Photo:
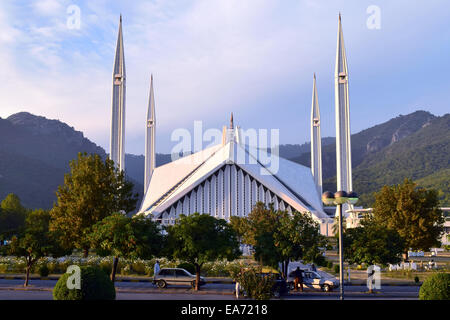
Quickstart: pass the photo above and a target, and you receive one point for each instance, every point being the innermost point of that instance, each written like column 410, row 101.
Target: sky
column 255, row 58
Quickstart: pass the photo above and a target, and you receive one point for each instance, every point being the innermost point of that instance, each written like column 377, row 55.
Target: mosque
column 228, row 179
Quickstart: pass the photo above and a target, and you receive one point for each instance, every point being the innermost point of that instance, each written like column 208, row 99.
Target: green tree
column 123, row 237
column 278, row 236
column 372, row 243
column 413, row 212
column 200, row 238
column 261, row 224
column 239, row 225
column 298, row 237
column 93, row 190
column 35, row 241
column 12, row 216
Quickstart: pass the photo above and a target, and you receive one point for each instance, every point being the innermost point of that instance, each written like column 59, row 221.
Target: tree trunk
column 114, row 269
column 197, row 276
column 27, row 273
column 85, row 252
column 286, row 264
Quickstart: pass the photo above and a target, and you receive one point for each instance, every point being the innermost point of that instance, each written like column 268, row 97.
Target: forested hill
column 35, row 154
column 418, row 149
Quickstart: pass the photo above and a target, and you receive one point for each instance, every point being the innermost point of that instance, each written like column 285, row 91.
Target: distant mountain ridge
column 369, row 141
column 35, row 154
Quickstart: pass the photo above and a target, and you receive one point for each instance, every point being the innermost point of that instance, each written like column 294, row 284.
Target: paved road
column 120, row 285
column 41, row 289
column 47, row 295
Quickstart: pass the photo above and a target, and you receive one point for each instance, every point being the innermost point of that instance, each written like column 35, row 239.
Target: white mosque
column 228, row 179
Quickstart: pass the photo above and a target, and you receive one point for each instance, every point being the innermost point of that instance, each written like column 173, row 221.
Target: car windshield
column 314, row 275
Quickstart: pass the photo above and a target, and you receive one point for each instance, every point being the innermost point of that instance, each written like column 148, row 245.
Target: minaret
column 117, row 144
column 150, row 138
column 316, row 143
column 343, row 146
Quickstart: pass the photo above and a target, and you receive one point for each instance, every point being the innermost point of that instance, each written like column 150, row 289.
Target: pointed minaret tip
column 120, row 20
column 231, row 121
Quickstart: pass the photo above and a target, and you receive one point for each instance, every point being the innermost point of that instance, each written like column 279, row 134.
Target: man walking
column 156, row 268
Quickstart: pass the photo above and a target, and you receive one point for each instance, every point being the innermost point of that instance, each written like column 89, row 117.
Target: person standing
column 298, row 279
column 156, row 268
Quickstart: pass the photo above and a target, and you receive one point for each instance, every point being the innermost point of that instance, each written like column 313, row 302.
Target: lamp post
column 339, row 198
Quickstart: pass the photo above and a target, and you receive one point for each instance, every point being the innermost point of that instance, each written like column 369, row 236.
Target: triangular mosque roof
column 292, row 182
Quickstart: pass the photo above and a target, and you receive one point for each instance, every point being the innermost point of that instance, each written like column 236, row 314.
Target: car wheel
column 326, row 288
column 161, row 284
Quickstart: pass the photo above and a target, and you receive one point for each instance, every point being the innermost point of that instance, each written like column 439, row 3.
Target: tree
column 93, row 190
column 278, row 236
column 372, row 243
column 260, row 226
column 200, row 238
column 239, row 225
column 298, row 237
column 413, row 212
column 35, row 241
column 12, row 216
column 124, row 237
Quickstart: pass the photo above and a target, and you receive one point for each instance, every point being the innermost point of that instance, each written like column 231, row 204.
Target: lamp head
column 341, row 197
column 328, row 198
column 352, row 197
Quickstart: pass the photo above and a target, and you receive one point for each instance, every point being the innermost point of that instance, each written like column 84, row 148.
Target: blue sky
column 210, row 57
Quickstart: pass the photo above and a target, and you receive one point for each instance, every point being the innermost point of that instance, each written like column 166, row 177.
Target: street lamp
column 339, row 198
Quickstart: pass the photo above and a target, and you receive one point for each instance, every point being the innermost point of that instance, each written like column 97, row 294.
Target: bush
column 95, row 285
column 255, row 285
column 320, row 260
column 436, row 287
column 336, row 268
column 106, row 267
column 3, row 268
column 187, row 266
column 330, row 265
column 43, row 270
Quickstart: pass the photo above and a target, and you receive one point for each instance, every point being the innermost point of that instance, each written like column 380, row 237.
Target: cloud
column 255, row 58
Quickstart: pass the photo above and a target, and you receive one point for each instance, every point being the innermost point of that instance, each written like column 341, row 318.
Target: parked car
column 281, row 287
column 175, row 276
column 314, row 280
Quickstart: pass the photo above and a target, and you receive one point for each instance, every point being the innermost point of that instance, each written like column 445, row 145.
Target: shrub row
column 48, row 265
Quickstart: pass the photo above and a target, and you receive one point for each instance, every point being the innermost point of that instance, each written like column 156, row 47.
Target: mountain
column 290, row 151
column 368, row 142
column 35, row 155
column 423, row 156
column 415, row 146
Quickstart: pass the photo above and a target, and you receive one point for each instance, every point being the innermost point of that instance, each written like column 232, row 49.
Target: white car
column 314, row 280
